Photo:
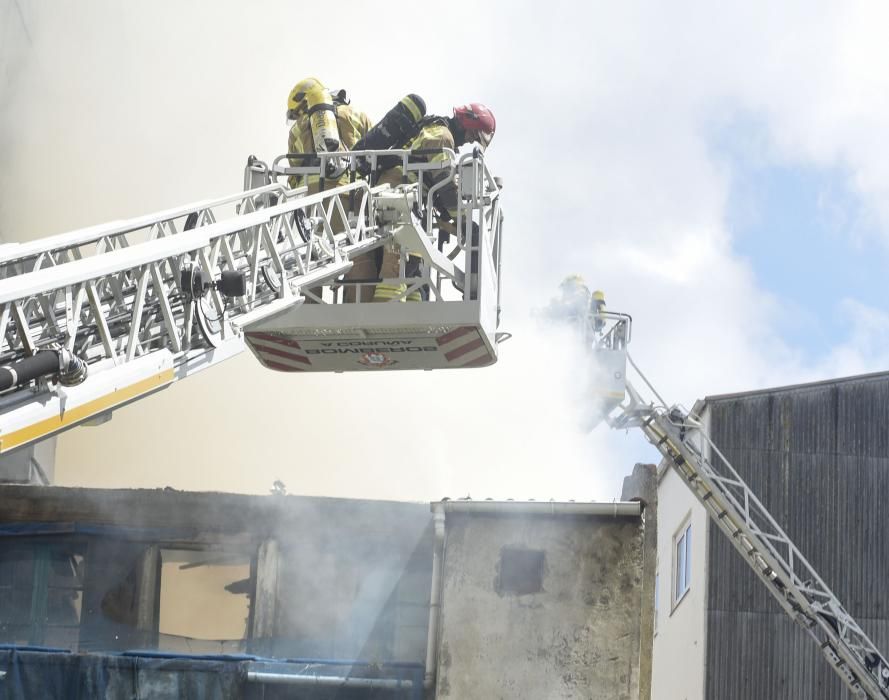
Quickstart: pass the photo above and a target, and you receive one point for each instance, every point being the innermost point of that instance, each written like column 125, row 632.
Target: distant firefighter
column 574, row 301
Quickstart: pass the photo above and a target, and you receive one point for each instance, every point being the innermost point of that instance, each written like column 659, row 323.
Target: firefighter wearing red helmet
column 471, row 123
column 477, row 122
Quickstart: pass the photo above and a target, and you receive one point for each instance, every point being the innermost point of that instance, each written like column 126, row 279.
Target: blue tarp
column 33, row 673
column 65, row 676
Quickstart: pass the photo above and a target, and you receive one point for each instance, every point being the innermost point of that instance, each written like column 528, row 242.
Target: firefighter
column 472, row 123
column 575, row 301
column 324, row 120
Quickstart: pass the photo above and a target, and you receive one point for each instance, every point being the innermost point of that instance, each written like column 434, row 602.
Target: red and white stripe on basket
column 464, row 347
column 276, row 352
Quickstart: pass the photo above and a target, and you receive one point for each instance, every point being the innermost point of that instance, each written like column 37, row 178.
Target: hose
column 69, row 368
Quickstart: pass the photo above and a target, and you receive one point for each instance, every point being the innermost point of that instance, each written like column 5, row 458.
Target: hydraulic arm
column 683, row 442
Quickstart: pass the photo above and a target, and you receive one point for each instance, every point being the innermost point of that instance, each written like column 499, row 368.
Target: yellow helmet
column 296, row 100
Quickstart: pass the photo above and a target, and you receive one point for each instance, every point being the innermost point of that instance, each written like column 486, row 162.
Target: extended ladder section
column 682, row 440
column 97, row 318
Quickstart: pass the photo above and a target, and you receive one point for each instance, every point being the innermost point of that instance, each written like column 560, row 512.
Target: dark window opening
column 41, row 593
column 521, row 571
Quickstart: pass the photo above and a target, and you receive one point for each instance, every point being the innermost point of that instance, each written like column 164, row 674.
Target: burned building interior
column 161, row 593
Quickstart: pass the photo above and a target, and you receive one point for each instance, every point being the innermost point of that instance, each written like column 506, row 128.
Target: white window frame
column 681, row 578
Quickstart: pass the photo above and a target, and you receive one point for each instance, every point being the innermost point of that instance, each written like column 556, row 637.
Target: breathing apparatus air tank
column 309, row 97
column 322, row 119
column 394, row 130
column 597, row 307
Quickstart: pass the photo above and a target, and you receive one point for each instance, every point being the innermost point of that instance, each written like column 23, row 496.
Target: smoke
column 347, row 579
column 114, row 110
column 159, row 104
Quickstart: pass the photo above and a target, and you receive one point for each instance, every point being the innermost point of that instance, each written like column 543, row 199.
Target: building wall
column 356, row 586
column 346, row 579
column 641, row 486
column 574, row 632
column 818, row 458
column 533, row 606
column 680, row 628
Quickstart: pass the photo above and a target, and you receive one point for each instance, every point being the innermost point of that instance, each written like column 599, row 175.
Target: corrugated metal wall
column 818, row 457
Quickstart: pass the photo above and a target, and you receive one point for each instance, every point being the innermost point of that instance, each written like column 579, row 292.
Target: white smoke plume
column 113, row 110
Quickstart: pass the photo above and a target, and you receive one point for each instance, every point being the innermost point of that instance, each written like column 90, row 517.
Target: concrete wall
column 576, row 636
column 680, row 628
column 356, row 586
column 641, row 486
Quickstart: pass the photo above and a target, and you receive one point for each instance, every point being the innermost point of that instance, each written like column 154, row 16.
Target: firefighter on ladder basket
column 323, row 120
column 583, row 309
column 407, row 126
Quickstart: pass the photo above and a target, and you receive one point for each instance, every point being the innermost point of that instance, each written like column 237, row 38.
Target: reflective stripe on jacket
column 435, row 135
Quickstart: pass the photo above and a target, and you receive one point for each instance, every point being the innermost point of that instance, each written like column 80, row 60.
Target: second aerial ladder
column 685, row 445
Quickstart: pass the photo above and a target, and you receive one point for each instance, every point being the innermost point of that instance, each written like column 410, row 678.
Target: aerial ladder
column 685, row 445
column 100, row 317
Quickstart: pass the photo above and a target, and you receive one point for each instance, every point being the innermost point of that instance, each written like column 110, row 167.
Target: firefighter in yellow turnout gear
column 434, row 134
column 326, row 122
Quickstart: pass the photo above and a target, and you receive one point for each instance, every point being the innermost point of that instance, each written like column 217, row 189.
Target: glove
column 362, row 165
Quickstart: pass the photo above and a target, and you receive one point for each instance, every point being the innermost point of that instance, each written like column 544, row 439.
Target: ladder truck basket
column 607, row 333
column 445, row 310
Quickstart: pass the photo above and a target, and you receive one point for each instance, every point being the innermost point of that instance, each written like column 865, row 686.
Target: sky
column 716, row 169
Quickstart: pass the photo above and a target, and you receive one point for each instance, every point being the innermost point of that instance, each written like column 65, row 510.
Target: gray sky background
column 607, row 114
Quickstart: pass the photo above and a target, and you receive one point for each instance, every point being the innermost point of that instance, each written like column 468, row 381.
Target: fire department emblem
column 376, row 360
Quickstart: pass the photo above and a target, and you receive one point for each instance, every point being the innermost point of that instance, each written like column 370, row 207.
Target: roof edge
column 793, row 387
column 615, row 509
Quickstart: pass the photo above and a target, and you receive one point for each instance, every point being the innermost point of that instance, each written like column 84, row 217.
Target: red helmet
column 477, row 121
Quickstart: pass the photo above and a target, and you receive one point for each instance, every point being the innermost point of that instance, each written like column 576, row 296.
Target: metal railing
column 19, row 258
column 475, row 234
column 120, row 291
